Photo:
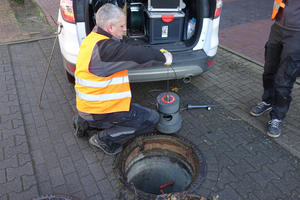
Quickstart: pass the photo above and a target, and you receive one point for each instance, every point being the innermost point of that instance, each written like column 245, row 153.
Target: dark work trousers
column 122, row 126
column 277, row 83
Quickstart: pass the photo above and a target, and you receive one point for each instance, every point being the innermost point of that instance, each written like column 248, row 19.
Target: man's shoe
column 274, row 129
column 260, row 108
column 81, row 126
column 109, row 148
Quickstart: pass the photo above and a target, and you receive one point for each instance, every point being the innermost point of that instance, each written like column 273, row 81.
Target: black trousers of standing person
column 281, row 56
column 121, row 126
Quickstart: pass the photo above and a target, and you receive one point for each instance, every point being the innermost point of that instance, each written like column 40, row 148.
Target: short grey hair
column 108, row 14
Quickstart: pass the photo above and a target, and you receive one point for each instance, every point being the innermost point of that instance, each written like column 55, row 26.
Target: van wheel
column 69, row 77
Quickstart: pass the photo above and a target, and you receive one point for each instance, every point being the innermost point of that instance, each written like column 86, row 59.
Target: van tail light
column 66, row 8
column 71, row 68
column 218, row 8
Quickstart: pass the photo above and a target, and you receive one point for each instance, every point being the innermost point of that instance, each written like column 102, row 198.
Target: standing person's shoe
column 109, row 148
column 274, row 129
column 81, row 127
column 260, row 108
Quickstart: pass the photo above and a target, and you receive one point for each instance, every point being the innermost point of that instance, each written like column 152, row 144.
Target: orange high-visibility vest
column 276, row 6
column 99, row 95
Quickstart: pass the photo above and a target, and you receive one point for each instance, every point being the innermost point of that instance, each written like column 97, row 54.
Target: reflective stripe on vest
column 276, row 6
column 103, row 97
column 99, row 95
column 114, row 81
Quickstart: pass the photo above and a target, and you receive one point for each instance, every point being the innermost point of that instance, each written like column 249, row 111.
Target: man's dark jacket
column 289, row 17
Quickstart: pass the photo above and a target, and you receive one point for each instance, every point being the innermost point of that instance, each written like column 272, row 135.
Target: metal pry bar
column 189, row 106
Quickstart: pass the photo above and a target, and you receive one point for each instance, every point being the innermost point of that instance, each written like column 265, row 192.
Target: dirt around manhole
column 32, row 20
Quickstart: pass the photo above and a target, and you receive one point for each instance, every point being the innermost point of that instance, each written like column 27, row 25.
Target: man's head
column 112, row 19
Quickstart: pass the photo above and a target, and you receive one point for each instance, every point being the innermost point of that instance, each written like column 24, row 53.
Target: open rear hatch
column 157, row 23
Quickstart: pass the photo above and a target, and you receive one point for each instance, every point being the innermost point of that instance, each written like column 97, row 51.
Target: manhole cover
column 158, row 164
column 232, row 65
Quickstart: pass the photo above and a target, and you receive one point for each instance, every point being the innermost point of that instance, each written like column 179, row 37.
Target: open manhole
column 156, row 164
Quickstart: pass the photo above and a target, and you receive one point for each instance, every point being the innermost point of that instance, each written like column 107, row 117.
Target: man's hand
column 168, row 56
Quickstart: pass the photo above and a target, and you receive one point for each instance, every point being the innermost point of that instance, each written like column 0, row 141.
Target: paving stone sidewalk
column 17, row 176
column 41, row 155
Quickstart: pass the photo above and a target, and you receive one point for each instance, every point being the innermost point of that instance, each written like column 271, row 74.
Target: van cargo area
column 162, row 24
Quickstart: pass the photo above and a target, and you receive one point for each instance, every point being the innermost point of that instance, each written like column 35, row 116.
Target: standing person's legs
column 284, row 83
column 273, row 50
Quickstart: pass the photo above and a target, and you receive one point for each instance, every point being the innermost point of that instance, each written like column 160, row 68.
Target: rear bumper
column 185, row 64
